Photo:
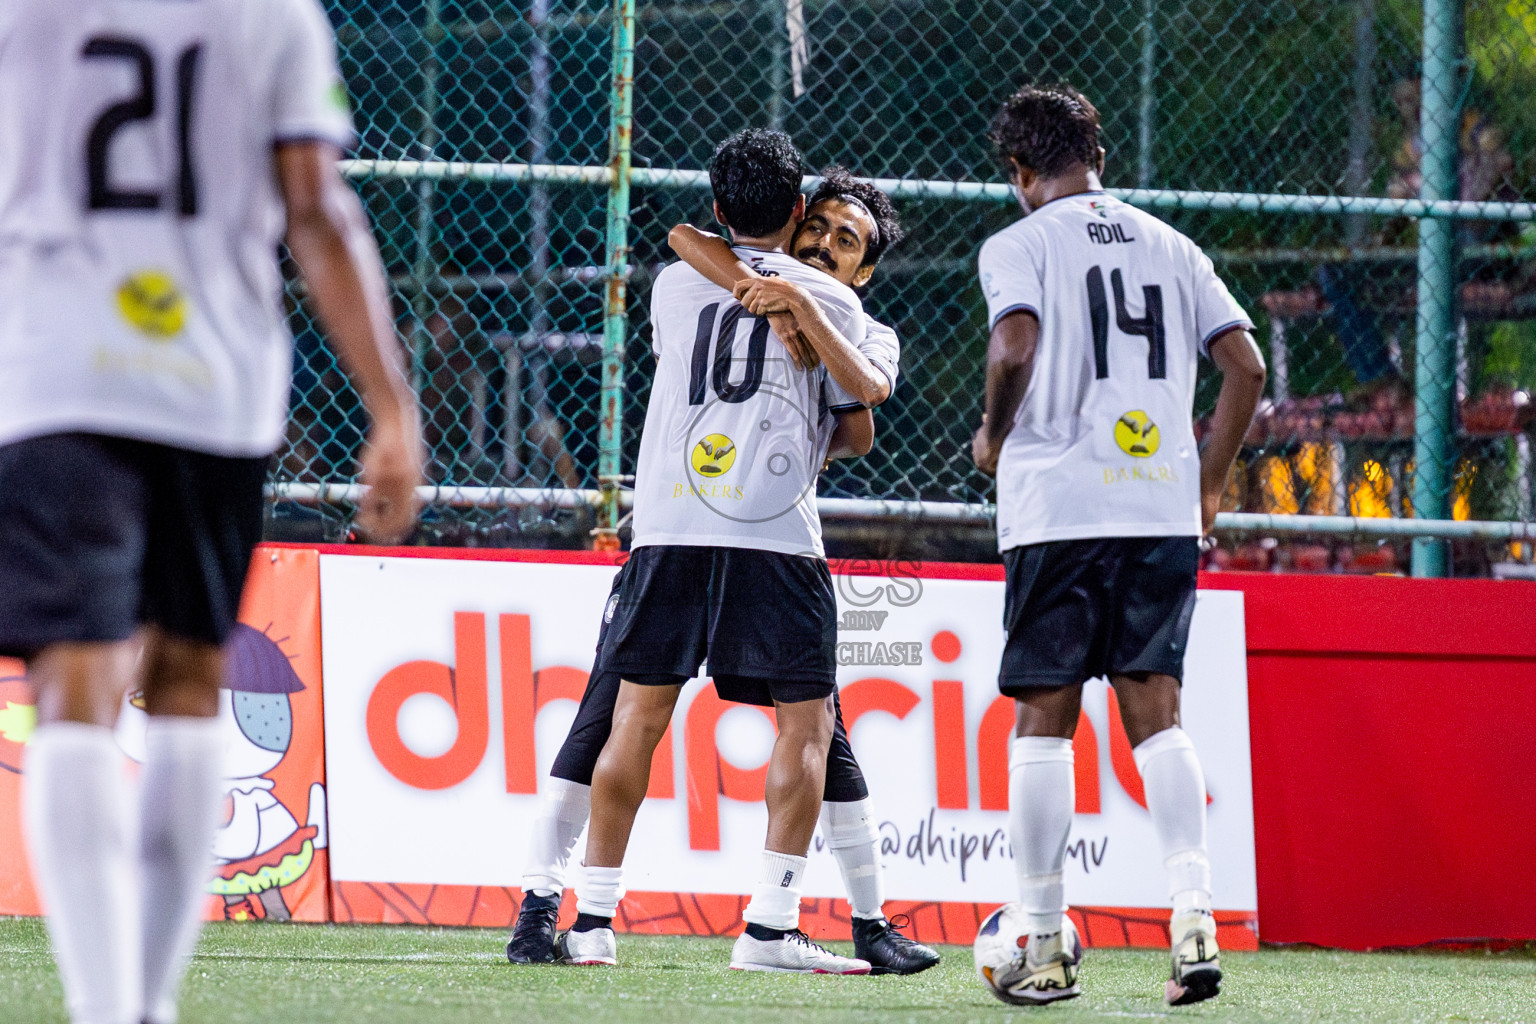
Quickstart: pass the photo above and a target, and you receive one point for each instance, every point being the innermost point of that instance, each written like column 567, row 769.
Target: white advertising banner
column 449, row 686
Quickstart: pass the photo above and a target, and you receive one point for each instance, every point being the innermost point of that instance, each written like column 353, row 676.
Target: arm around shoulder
column 854, row 435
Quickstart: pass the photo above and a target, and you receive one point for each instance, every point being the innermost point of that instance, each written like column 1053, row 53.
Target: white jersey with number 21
column 1103, row 444
column 732, row 444
column 140, row 213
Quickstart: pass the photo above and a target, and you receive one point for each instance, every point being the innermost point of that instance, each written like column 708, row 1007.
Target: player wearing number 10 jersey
column 1099, row 315
column 151, row 156
column 727, row 559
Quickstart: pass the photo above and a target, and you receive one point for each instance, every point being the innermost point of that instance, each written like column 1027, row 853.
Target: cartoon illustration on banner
column 260, row 849
column 267, row 865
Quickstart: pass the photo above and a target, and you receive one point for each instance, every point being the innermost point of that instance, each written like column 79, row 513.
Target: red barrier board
column 1393, row 734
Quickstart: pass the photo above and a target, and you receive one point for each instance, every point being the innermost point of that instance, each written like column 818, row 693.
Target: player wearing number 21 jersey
column 1099, row 315
column 153, row 155
column 139, row 213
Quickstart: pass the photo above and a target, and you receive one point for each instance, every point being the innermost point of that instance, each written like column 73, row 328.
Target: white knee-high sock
column 1041, row 800
column 850, row 832
column 776, row 896
column 179, row 811
column 1175, row 788
column 563, row 812
column 79, row 820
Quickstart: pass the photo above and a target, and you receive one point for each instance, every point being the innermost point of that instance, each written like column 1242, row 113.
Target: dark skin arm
column 854, row 435
column 1242, row 386
column 1010, row 364
column 713, row 257
column 329, row 238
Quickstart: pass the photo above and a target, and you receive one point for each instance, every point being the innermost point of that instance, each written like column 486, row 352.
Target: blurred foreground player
column 149, row 154
column 1099, row 313
column 848, row 227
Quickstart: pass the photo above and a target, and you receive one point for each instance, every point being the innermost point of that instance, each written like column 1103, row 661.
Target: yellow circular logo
column 714, row 455
column 1136, row 434
column 151, row 301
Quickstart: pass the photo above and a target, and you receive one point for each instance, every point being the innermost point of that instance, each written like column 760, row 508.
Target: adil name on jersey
column 1108, row 233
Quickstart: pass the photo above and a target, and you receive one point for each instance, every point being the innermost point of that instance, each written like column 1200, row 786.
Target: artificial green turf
column 299, row 974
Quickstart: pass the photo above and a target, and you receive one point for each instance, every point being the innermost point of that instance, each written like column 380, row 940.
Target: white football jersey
column 732, row 443
column 140, row 215
column 1103, row 444
column 882, row 348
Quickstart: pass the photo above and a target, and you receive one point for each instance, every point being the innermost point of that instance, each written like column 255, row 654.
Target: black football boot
column 887, row 950
column 533, row 937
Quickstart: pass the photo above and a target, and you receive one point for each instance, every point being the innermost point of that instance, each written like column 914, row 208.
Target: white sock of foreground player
column 849, row 829
column 563, row 812
column 776, row 896
column 1175, row 788
column 79, row 826
column 1041, row 796
column 179, row 812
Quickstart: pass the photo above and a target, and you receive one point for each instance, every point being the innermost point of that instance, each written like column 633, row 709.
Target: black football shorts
column 1078, row 609
column 594, row 720
column 99, row 535
column 764, row 622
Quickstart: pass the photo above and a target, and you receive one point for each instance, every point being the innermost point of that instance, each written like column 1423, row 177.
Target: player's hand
column 764, row 295
column 1210, row 504
column 392, row 462
column 800, row 350
column 984, row 451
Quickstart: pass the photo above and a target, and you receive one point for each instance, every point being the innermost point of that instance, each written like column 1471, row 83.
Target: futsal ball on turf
column 999, row 952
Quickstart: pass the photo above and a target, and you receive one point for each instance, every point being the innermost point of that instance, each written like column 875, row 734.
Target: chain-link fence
column 1394, row 339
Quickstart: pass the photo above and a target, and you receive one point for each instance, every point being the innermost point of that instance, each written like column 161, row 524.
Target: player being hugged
column 1098, row 315
column 144, row 378
column 727, row 562
column 849, row 225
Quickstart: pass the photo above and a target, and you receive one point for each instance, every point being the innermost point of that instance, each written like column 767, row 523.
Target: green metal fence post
column 1146, row 110
column 1435, row 369
column 610, row 443
column 423, row 267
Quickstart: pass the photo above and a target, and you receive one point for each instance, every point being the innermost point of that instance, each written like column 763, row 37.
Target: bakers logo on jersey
column 714, row 455
column 152, row 302
column 1137, row 435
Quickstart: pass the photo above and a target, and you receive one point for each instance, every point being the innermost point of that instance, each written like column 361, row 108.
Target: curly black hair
column 1046, row 128
column 756, row 178
column 839, row 183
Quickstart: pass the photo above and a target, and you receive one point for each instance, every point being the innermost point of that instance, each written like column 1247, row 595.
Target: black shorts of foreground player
column 1103, row 494
column 728, row 461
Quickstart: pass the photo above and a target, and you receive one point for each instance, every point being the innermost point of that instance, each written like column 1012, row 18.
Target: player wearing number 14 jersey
column 152, row 157
column 1099, row 315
